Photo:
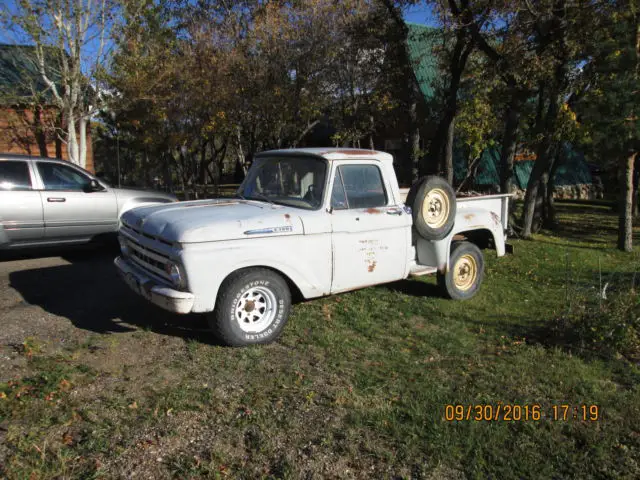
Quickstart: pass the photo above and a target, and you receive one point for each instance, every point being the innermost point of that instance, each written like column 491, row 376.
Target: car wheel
column 466, row 271
column 252, row 307
column 433, row 204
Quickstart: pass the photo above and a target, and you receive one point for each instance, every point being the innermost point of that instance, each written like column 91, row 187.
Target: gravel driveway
column 61, row 298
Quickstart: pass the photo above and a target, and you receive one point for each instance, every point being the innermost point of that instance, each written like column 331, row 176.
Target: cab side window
column 14, row 175
column 60, row 177
column 358, row 186
column 338, row 195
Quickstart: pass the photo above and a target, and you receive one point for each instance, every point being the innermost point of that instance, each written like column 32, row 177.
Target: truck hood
column 214, row 220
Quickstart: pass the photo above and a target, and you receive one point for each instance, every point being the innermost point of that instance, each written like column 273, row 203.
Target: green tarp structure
column 421, row 41
column 572, row 171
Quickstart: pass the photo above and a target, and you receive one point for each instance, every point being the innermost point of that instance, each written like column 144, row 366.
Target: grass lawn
column 357, row 387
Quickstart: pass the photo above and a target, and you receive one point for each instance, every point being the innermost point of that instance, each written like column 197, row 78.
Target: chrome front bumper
column 165, row 297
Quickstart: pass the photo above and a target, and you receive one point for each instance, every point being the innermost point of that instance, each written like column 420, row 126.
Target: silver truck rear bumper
column 165, row 297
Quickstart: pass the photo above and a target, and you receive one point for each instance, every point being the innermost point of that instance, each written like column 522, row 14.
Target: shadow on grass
column 586, row 222
column 414, row 288
column 591, row 325
column 90, row 293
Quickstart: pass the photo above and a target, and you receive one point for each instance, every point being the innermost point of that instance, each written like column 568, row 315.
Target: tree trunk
column 546, row 124
column 625, row 221
column 442, row 145
column 448, row 152
column 538, row 173
column 72, row 141
column 510, row 144
column 372, row 128
column 58, row 129
column 538, row 212
column 40, row 133
column 414, row 142
column 82, row 154
column 550, row 220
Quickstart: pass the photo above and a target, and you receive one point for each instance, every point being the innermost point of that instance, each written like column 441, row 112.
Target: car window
column 363, row 186
column 338, row 195
column 14, row 175
column 293, row 181
column 60, row 177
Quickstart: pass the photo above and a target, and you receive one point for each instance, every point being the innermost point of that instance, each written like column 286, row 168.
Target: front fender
column 209, row 264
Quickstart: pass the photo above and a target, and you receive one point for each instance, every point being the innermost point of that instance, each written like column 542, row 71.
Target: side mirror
column 93, row 186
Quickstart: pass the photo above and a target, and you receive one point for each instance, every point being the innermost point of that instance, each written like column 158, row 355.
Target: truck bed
column 497, row 203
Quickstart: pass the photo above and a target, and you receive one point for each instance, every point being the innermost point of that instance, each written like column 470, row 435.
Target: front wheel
column 252, row 307
column 466, row 270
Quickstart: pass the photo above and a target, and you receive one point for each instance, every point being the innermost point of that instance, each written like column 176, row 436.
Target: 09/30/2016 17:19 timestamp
column 504, row 412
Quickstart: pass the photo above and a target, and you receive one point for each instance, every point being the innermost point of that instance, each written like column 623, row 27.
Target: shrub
column 610, row 327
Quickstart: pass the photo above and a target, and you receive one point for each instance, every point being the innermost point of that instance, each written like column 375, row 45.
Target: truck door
column 370, row 235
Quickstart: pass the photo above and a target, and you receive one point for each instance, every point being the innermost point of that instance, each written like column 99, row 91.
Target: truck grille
column 144, row 257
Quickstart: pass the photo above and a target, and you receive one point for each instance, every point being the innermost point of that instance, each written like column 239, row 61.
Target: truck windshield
column 294, row 181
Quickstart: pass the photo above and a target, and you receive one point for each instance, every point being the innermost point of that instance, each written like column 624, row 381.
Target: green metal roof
column 19, row 75
column 421, row 41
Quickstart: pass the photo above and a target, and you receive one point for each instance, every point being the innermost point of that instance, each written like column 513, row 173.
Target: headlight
column 124, row 246
column 173, row 270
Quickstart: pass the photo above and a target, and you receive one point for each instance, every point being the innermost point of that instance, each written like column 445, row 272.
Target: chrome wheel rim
column 435, row 208
column 465, row 272
column 255, row 309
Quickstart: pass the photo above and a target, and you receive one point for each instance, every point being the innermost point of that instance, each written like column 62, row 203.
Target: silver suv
column 51, row 202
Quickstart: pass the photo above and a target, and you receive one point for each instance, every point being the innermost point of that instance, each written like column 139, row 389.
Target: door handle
column 397, row 211
column 56, row 199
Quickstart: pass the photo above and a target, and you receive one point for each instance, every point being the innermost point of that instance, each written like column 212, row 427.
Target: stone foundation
column 572, row 192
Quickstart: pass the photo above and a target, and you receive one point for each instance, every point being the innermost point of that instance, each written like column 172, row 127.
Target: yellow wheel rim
column 465, row 272
column 436, row 208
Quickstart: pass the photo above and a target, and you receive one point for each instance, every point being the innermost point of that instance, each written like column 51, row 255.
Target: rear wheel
column 466, row 271
column 252, row 307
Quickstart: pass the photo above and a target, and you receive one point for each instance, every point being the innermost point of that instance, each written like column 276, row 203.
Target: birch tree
column 70, row 39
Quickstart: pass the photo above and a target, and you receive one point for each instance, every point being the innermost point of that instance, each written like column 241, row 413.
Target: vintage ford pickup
column 305, row 223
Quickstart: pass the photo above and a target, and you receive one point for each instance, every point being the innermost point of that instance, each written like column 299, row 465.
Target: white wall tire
column 252, row 308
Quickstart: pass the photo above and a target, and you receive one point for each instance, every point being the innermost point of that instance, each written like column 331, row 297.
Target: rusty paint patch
column 287, row 216
column 352, row 152
column 469, row 216
column 372, row 266
column 496, row 218
column 458, row 237
column 373, row 211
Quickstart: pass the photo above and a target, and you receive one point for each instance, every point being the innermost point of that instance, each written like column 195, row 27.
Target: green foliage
column 477, row 123
column 612, row 83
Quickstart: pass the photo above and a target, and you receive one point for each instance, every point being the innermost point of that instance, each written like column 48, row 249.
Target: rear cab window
column 14, row 175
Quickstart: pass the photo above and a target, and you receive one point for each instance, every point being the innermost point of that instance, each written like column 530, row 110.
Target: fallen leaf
column 133, row 405
column 64, row 385
column 67, row 439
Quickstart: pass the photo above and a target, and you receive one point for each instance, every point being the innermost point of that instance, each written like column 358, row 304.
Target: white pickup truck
column 308, row 222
